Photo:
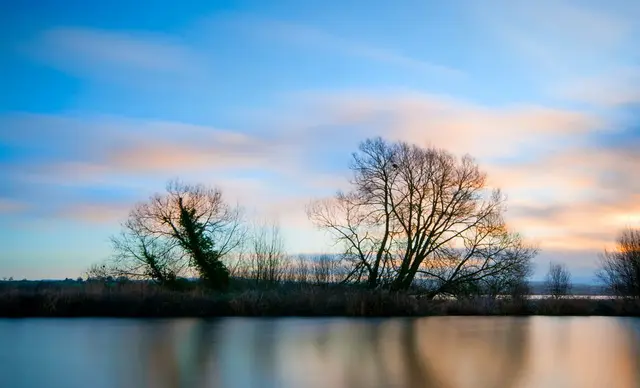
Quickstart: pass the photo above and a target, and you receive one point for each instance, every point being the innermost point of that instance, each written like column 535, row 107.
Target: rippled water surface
column 229, row 353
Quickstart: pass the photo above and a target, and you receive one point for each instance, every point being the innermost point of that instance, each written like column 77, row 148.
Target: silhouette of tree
column 512, row 283
column 558, row 281
column 619, row 269
column 98, row 271
column 420, row 213
column 268, row 260
column 187, row 230
column 324, row 269
column 300, row 270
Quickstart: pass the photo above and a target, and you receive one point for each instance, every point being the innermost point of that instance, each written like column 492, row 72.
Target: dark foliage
column 147, row 299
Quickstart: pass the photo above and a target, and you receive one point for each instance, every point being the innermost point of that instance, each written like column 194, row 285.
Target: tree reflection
column 472, row 352
column 454, row 352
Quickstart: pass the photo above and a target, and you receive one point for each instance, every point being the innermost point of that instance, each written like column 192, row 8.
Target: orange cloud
column 159, row 156
column 585, row 224
column 457, row 125
column 557, row 197
column 96, row 213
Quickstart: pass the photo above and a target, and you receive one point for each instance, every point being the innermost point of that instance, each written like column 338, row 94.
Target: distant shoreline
column 142, row 300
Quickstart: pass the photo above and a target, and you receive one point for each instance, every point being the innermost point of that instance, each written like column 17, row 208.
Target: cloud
column 263, row 172
column 457, row 125
column 12, row 206
column 570, row 188
column 90, row 146
column 584, row 225
column 565, row 192
column 261, row 200
column 592, row 195
column 551, row 162
column 147, row 52
column 127, row 57
column 95, row 213
column 619, row 86
column 94, row 148
column 566, row 36
column 314, row 39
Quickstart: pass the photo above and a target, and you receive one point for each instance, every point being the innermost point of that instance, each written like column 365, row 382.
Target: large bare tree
column 188, row 230
column 620, row 268
column 420, row 213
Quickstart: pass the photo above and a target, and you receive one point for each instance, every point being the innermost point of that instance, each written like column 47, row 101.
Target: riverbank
column 137, row 300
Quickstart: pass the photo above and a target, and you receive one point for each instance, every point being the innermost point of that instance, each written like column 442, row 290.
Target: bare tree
column 268, row 260
column 513, row 283
column 238, row 262
column 189, row 230
column 99, row 272
column 620, row 268
column 142, row 255
column 324, row 267
column 558, row 281
column 299, row 270
column 417, row 213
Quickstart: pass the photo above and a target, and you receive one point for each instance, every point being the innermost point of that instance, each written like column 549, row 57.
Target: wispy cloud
column 619, row 86
column 587, row 224
column 313, row 39
column 560, row 184
column 90, row 145
column 265, row 173
column 458, row 125
column 122, row 55
column 554, row 40
column 561, row 178
column 577, row 199
column 11, row 206
column 95, row 212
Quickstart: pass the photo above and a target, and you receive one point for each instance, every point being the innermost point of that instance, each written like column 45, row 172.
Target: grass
column 96, row 299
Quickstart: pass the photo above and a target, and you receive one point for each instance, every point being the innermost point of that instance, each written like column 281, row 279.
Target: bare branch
column 420, row 211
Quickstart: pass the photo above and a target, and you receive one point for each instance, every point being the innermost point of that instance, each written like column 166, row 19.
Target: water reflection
column 432, row 352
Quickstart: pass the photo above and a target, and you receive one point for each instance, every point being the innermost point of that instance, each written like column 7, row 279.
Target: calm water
column 431, row 352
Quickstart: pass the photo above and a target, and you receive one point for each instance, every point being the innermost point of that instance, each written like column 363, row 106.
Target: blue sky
column 103, row 102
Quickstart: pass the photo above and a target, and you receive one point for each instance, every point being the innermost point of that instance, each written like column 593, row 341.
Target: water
column 446, row 352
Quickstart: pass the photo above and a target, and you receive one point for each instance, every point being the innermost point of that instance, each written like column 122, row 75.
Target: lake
column 446, row 352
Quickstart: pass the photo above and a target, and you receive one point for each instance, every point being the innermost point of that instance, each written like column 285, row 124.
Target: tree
column 268, row 261
column 420, row 214
column 619, row 269
column 558, row 281
column 139, row 254
column 512, row 283
column 188, row 230
column 324, row 269
column 98, row 272
column 301, row 270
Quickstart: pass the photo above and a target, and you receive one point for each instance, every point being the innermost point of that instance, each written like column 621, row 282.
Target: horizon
column 104, row 103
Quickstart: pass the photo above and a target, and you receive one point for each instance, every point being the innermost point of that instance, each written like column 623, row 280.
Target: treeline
column 414, row 218
column 248, row 270
column 149, row 299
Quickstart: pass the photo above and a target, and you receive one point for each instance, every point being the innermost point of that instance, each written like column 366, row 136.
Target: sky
column 103, row 102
